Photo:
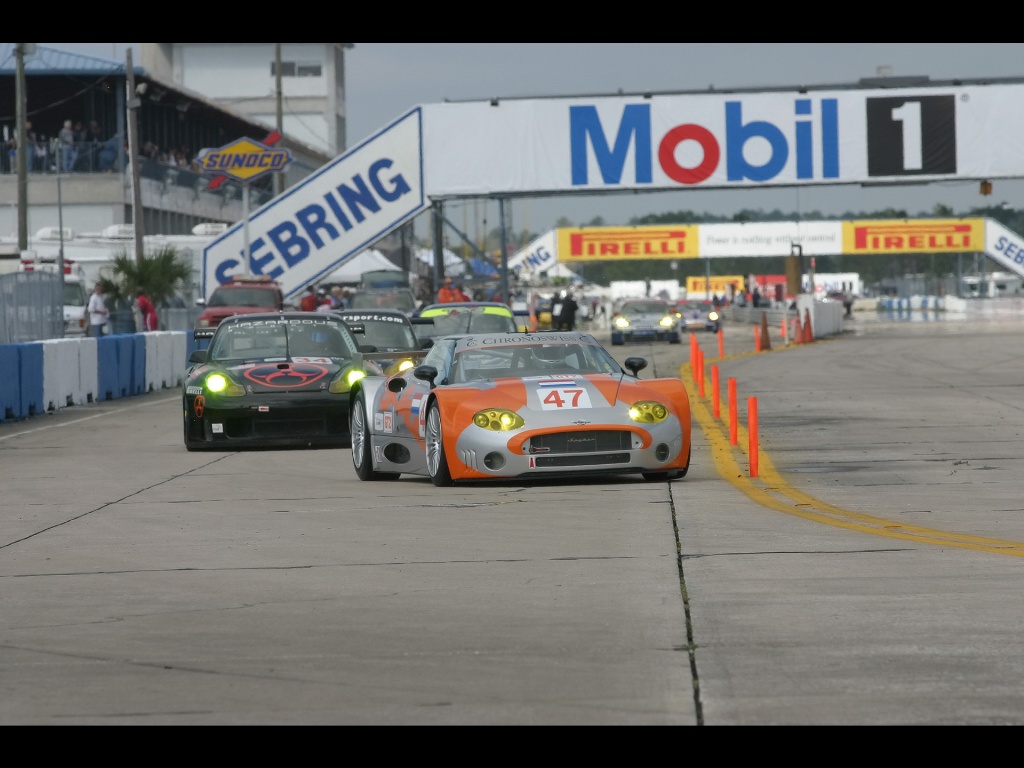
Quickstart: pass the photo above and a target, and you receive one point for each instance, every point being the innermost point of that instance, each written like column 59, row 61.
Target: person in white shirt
column 98, row 312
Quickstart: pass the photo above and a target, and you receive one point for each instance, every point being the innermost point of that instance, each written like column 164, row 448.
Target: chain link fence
column 31, row 307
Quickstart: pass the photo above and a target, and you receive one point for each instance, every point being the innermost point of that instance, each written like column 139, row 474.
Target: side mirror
column 426, row 343
column 426, row 373
column 636, row 364
column 198, row 356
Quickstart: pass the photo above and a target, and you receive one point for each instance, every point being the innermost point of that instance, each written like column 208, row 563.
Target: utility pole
column 279, row 177
column 134, row 102
column 21, row 117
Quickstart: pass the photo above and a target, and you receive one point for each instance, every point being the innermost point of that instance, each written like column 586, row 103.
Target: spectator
column 323, row 302
column 338, row 300
column 567, row 317
column 150, row 320
column 68, row 149
column 108, row 153
column 755, row 298
column 461, row 295
column 98, row 312
column 94, row 139
column 308, row 301
column 447, row 292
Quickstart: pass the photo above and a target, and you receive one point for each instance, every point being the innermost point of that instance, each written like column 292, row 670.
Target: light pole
column 134, row 102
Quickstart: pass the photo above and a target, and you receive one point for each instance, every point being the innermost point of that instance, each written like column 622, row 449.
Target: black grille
column 596, row 441
column 585, row 460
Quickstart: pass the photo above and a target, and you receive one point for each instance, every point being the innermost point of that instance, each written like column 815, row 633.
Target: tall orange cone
column 766, row 339
column 808, row 330
column 798, row 335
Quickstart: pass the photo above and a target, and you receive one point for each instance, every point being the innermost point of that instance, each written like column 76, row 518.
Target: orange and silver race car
column 504, row 405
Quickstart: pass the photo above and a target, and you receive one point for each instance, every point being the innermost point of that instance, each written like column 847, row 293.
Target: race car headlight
column 498, row 419
column 667, row 321
column 713, row 316
column 648, row 412
column 405, row 365
column 344, row 380
column 220, row 384
column 621, row 322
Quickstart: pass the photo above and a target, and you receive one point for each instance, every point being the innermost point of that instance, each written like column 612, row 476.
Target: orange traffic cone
column 766, row 339
column 808, row 330
column 798, row 335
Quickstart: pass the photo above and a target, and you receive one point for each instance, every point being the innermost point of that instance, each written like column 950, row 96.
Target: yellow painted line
column 770, row 490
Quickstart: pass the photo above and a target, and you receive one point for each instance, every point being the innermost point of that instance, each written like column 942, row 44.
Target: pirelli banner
column 815, row 238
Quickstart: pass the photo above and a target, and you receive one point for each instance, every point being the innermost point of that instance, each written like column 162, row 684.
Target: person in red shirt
column 150, row 321
column 447, row 293
column 461, row 294
column 308, row 301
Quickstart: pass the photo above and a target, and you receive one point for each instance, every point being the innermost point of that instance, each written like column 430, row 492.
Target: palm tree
column 158, row 274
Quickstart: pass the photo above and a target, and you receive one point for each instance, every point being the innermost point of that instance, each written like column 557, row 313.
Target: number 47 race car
column 508, row 405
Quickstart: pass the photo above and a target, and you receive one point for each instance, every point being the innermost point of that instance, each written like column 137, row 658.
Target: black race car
column 387, row 338
column 271, row 380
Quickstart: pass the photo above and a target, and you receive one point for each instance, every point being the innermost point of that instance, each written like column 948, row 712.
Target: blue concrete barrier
column 57, row 373
column 10, row 382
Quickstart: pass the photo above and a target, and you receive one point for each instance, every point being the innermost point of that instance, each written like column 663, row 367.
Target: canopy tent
column 364, row 261
column 453, row 265
column 559, row 270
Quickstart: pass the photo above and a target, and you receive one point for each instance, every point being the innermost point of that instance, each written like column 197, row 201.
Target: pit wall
column 46, row 376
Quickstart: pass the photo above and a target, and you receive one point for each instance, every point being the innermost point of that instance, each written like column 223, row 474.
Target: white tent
column 364, row 261
column 453, row 265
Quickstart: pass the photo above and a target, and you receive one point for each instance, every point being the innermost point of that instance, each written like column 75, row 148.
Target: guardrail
column 46, row 376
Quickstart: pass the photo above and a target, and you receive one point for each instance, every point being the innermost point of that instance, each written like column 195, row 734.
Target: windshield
column 497, row 360
column 243, row 297
column 388, row 336
column 282, row 338
column 74, row 295
column 645, row 308
column 467, row 322
column 403, row 301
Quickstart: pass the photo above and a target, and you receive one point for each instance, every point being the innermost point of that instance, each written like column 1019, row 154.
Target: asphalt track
column 869, row 574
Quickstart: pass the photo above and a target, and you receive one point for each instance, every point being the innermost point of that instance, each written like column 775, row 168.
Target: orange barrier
column 716, row 409
column 721, row 344
column 798, row 335
column 700, row 376
column 757, row 338
column 752, row 434
column 808, row 330
column 733, row 426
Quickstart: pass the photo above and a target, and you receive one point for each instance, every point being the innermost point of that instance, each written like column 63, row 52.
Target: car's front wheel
column 190, row 443
column 362, row 461
column 437, row 463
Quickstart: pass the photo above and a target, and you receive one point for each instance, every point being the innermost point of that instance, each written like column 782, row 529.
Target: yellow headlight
column 621, row 322
column 220, row 384
column 498, row 419
column 648, row 412
column 712, row 316
column 405, row 365
column 667, row 321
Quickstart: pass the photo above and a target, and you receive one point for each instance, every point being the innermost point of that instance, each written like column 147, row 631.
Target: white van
column 76, row 297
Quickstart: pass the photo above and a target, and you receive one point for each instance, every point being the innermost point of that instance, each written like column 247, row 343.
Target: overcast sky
column 384, row 80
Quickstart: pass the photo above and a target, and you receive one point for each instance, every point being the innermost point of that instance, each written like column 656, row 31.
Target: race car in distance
column 646, row 320
column 271, row 380
column 526, row 406
column 699, row 316
column 387, row 339
column 465, row 317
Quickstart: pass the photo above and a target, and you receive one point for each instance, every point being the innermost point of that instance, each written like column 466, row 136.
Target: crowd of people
column 77, row 148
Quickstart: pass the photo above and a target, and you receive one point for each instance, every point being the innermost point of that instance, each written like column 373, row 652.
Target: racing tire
column 437, row 462
column 362, row 462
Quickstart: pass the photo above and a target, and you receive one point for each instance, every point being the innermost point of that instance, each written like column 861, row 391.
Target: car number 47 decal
column 563, row 398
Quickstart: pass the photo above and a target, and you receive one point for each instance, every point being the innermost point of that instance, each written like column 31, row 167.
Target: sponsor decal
column 199, row 406
column 378, row 454
column 217, row 429
column 193, row 390
column 378, row 422
column 389, row 422
column 918, row 236
column 321, row 360
column 419, row 412
column 611, row 243
column 567, row 381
